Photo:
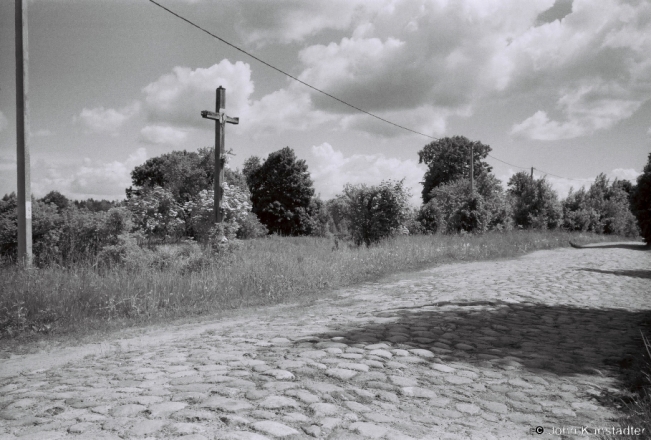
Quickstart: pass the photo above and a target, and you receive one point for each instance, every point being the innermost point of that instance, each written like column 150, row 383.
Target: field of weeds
column 186, row 280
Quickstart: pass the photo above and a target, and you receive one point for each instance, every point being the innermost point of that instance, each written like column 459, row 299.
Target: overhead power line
column 537, row 169
column 561, row 177
column 287, row 74
column 506, row 163
column 319, row 90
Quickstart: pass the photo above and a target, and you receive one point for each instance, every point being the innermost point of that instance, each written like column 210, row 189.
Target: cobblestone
column 478, row 350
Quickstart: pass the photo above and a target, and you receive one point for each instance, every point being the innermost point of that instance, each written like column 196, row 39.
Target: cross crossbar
column 220, row 117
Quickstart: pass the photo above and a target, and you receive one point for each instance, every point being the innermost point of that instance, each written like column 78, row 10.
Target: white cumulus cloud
column 589, row 108
column 88, row 178
column 625, row 174
column 331, row 170
column 540, row 127
column 284, row 109
column 175, row 100
column 287, row 21
column 596, row 62
column 178, row 97
column 106, row 120
column 162, row 135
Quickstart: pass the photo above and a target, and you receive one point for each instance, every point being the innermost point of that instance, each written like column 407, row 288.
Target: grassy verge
column 180, row 281
column 635, row 400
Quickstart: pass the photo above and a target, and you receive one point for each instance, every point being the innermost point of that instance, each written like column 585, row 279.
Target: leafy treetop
column 448, row 159
column 281, row 191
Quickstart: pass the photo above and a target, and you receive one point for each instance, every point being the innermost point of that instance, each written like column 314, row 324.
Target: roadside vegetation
column 634, row 399
column 157, row 255
column 173, row 281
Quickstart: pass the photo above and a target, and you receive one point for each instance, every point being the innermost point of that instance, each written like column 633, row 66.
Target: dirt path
column 477, row 350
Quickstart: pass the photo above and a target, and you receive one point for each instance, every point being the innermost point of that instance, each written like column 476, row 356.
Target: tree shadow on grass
column 559, row 339
column 626, row 273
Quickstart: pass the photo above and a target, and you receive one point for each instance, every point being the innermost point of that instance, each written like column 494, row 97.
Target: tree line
column 171, row 195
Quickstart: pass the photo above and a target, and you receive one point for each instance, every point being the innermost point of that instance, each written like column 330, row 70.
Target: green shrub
column 126, row 252
column 251, row 227
column 156, row 213
column 62, row 236
column 375, row 212
column 641, row 201
column 431, row 217
column 451, row 210
column 535, row 204
column 603, row 209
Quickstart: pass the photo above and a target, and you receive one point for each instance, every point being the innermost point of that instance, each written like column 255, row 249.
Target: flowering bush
column 156, row 213
column 236, row 206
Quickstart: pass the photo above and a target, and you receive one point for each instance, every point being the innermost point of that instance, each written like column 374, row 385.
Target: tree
column 448, row 159
column 375, row 212
column 281, row 191
column 535, row 204
column 641, row 201
column 96, row 205
column 603, row 209
column 63, row 237
column 57, row 199
column 185, row 176
column 337, row 212
column 452, row 210
column 251, row 166
column 183, row 173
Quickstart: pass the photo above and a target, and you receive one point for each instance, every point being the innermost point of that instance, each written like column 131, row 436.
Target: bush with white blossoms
column 156, row 213
column 236, row 206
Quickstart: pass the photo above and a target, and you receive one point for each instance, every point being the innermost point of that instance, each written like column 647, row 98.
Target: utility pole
column 220, row 119
column 472, row 170
column 532, row 174
column 22, row 138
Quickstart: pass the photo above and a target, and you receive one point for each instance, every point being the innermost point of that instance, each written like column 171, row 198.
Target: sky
column 563, row 86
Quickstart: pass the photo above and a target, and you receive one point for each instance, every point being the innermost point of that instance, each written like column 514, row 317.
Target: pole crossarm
column 220, row 117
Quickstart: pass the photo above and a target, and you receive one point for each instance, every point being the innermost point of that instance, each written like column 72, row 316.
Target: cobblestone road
column 476, row 350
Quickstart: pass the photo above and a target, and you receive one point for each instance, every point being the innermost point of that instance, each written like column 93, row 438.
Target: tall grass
column 634, row 403
column 177, row 281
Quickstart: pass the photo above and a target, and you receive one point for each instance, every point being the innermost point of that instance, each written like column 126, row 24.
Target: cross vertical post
column 22, row 138
column 219, row 154
column 220, row 118
column 472, row 170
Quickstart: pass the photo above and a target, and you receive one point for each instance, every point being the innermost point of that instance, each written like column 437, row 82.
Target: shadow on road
column 559, row 339
column 625, row 273
column 631, row 246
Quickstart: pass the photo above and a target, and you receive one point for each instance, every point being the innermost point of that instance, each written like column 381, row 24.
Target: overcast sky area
column 563, row 86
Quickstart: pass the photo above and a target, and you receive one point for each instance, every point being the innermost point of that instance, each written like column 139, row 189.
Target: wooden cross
column 220, row 118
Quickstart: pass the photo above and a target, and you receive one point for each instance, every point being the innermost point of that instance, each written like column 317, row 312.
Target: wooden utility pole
column 531, row 173
column 220, row 119
column 472, row 170
column 22, row 138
